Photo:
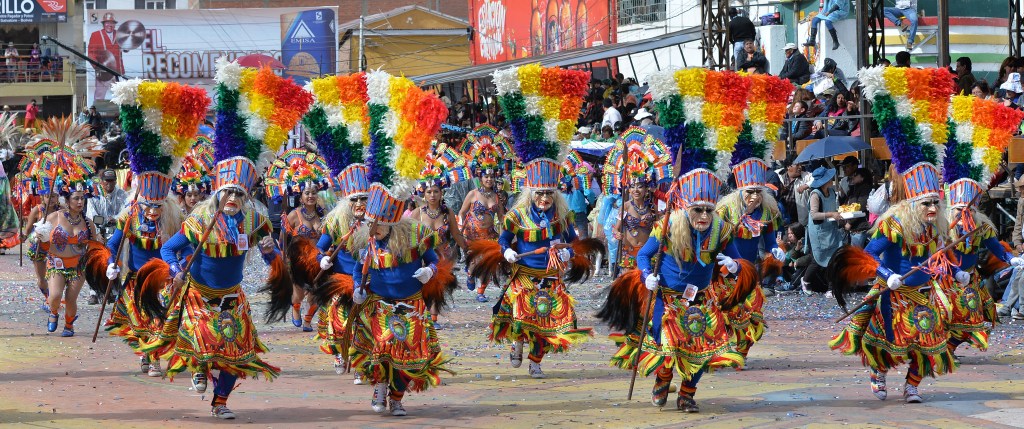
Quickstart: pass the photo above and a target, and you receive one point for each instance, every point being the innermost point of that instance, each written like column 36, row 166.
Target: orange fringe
column 486, row 261
column 303, row 260
column 743, row 286
column 440, row 287
column 279, row 284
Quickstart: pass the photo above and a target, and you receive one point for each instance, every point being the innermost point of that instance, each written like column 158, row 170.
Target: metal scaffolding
column 1016, row 24
column 715, row 50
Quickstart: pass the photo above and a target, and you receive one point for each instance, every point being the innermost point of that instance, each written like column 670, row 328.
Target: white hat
column 584, row 130
column 789, row 46
column 642, row 113
column 1012, row 84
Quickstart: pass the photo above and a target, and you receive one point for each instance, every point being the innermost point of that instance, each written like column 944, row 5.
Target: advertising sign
column 183, row 45
column 507, row 30
column 33, row 11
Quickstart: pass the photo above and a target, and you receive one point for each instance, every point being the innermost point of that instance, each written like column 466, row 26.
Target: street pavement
column 791, row 380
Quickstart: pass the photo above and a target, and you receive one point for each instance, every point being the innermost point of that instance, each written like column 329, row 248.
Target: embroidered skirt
column 72, row 268
column 537, row 307
column 395, row 342
column 129, row 322
column 974, row 313
column 210, row 328
column 691, row 336
column 36, row 251
column 628, row 255
column 747, row 321
column 899, row 325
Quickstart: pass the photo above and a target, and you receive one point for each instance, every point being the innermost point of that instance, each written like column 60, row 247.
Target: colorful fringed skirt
column 974, row 313
column 332, row 325
column 628, row 255
column 537, row 308
column 69, row 267
column 747, row 321
column 8, row 217
column 129, row 322
column 689, row 337
column 210, row 328
column 901, row 326
column 37, row 249
column 395, row 342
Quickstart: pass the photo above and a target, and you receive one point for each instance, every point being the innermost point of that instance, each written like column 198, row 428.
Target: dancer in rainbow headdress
column 151, row 218
column 68, row 231
column 482, row 206
column 192, row 182
column 981, row 132
column 537, row 243
column 689, row 273
column 398, row 275
column 300, row 174
column 340, row 124
column 36, row 180
column 644, row 163
column 752, row 207
column 442, row 170
column 208, row 323
column 906, row 317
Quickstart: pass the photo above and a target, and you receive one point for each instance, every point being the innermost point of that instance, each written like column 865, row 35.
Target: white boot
column 380, row 397
column 516, row 355
column 535, row 370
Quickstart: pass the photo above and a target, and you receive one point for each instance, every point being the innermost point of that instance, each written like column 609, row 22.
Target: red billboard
column 507, row 29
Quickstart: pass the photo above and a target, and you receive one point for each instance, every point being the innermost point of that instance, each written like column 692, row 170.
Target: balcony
column 37, row 79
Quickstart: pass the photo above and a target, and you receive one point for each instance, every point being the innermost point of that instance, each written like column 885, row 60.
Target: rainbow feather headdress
column 980, row 131
column 62, row 150
column 160, row 121
column 542, row 106
column 195, row 174
column 295, row 171
column 403, row 122
column 339, row 120
column 911, row 107
column 444, row 167
column 255, row 110
column 702, row 113
column 766, row 109
column 488, row 134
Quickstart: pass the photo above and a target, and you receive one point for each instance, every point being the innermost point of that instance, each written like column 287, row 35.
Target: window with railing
column 641, row 11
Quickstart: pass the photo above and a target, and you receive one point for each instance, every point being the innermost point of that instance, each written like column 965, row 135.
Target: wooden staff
column 657, row 265
column 959, row 216
column 117, row 258
column 206, row 234
column 334, row 253
column 622, row 229
column 872, row 298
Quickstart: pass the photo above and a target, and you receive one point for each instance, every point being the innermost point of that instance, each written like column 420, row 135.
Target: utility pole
column 362, row 20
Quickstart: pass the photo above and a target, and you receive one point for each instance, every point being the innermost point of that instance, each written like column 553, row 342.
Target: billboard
column 33, row 11
column 507, row 30
column 183, row 45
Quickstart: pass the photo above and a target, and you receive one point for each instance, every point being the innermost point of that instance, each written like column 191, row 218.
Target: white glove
column 359, row 295
column 510, row 256
column 651, row 282
column 43, row 229
column 729, row 263
column 563, row 254
column 779, row 253
column 963, row 277
column 1016, row 261
column 112, row 271
column 325, row 263
column 894, row 281
column 423, row 274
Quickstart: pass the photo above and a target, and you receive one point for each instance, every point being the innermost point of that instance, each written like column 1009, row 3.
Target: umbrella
column 259, row 60
column 831, row 146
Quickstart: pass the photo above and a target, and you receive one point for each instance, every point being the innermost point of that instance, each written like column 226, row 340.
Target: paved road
column 792, row 380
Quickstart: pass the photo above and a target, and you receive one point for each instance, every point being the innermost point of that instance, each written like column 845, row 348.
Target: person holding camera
column 103, row 209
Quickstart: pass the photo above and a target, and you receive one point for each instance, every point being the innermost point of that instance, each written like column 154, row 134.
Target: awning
column 566, row 58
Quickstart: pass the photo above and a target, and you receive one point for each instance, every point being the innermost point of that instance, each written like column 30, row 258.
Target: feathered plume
column 255, row 110
column 702, row 115
column 542, row 106
column 849, row 267
column 403, row 121
column 160, row 121
column 766, row 109
column 339, row 120
column 980, row 131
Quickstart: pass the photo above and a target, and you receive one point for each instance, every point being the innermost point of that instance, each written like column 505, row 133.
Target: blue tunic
column 217, row 273
column 532, row 224
column 396, row 282
column 343, row 262
column 748, row 247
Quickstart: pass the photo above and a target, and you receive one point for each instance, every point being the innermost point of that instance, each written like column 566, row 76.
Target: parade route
column 792, row 379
